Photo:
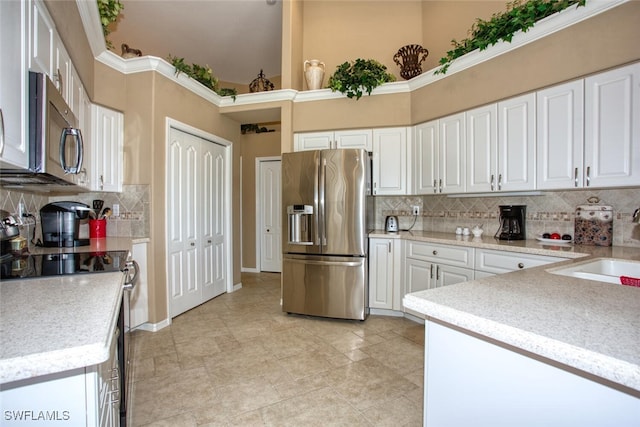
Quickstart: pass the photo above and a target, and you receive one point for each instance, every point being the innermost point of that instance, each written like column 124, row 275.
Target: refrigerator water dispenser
column 300, row 224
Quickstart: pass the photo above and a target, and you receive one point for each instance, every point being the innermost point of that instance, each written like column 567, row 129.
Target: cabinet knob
column 435, row 252
column 193, row 244
column 520, row 265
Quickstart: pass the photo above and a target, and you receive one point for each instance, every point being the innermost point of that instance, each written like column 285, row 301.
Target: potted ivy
column 109, row 11
column 362, row 75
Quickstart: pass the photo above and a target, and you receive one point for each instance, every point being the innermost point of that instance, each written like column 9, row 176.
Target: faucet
column 636, row 216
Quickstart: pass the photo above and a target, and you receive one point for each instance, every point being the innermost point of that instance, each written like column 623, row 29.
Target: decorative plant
column 201, row 74
column 519, row 15
column 109, row 11
column 353, row 79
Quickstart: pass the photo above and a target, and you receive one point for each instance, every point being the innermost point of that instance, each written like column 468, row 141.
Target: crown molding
column 552, row 24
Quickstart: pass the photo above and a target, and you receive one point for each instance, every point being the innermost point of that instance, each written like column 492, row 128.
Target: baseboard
column 153, row 327
column 249, row 270
column 237, row 286
column 396, row 313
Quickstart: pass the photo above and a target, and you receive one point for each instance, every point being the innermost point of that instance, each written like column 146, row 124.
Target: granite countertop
column 583, row 324
column 55, row 324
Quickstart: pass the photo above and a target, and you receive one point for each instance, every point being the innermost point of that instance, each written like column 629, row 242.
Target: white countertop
column 587, row 325
column 55, row 324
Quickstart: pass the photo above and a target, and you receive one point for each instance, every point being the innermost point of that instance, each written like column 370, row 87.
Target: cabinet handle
column 520, row 265
column 588, row 176
column 575, row 177
column 435, row 185
column 209, row 241
column 431, row 271
column 193, row 244
column 59, row 79
column 1, row 132
column 493, row 184
column 440, row 185
column 499, row 182
column 437, row 272
column 389, row 245
column 435, row 252
column 101, row 182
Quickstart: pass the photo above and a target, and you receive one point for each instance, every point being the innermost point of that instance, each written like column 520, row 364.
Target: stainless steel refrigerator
column 326, row 196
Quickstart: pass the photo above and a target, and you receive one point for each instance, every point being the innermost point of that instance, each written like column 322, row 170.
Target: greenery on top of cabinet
column 520, row 15
column 354, row 78
column 109, row 12
column 204, row 75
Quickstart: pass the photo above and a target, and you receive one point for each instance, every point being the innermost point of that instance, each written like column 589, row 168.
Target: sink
column 600, row 269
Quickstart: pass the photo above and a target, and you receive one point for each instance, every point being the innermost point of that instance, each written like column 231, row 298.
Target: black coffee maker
column 512, row 222
column 60, row 223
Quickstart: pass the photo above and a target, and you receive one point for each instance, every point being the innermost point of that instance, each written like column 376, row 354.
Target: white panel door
column 560, row 138
column 612, row 135
column 516, row 143
column 452, row 162
column 482, row 147
column 269, row 216
column 425, row 157
column 312, row 141
column 354, row 139
column 41, row 40
column 380, row 273
column 213, row 217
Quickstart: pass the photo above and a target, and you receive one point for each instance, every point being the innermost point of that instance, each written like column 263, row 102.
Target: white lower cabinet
column 498, row 262
column 82, row 397
column 384, row 280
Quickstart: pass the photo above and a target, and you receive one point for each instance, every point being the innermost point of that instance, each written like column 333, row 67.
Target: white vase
column 314, row 73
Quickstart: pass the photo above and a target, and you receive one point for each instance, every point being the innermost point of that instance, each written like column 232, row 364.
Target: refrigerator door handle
column 318, row 202
column 322, row 235
column 327, row 263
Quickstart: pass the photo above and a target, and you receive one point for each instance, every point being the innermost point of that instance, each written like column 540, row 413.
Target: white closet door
column 270, row 216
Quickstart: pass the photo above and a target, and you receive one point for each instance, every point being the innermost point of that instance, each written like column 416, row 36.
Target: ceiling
column 236, row 38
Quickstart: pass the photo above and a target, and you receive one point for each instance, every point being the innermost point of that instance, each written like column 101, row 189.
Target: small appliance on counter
column 512, row 222
column 8, row 231
column 391, row 224
column 60, row 223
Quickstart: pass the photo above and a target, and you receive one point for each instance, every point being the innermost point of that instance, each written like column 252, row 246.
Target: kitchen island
column 532, row 348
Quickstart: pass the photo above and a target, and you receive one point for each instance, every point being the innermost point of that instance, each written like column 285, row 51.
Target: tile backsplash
column 552, row 211
column 132, row 221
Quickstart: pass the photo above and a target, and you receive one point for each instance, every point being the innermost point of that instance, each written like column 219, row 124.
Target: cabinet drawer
column 503, row 262
column 444, row 254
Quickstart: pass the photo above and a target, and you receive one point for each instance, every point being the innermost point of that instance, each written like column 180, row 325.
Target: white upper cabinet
column 482, row 149
column 516, row 143
column 106, row 160
column 390, row 166
column 13, row 85
column 438, row 156
column 42, row 35
column 339, row 139
column 612, row 128
column 560, row 142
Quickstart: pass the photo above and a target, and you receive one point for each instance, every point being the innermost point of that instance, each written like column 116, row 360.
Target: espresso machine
column 512, row 222
column 60, row 223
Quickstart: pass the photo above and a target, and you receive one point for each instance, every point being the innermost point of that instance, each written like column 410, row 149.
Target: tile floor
column 237, row 360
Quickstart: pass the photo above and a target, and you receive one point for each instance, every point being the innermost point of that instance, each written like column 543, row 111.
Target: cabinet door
column 498, row 262
column 425, row 157
column 460, row 256
column 560, row 141
column 42, row 38
column 451, row 149
column 482, row 148
column 418, row 275
column 390, row 161
column 448, row 275
column 13, row 85
column 612, row 133
column 380, row 273
column 62, row 71
column 106, row 149
column 516, row 143
column 312, row 141
column 354, row 139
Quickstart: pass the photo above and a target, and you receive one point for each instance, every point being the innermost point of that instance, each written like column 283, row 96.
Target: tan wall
column 339, row 31
column 445, row 20
column 292, row 23
column 253, row 146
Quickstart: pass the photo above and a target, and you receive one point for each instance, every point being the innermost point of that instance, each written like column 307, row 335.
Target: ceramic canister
column 594, row 225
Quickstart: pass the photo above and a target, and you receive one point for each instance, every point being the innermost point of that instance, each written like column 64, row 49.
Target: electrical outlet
column 116, row 209
column 415, row 210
